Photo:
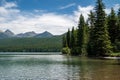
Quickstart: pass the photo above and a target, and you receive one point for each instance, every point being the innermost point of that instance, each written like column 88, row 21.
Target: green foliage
column 112, row 26
column 119, row 12
column 64, row 41
column 77, row 39
column 118, row 24
column 66, row 50
column 31, row 44
column 82, row 36
column 80, row 31
column 116, row 46
column 114, row 29
column 68, row 38
column 114, row 55
column 73, row 38
column 100, row 44
column 91, row 19
column 99, row 37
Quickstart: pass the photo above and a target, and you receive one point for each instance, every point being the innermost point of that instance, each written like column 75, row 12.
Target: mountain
column 10, row 34
column 1, row 31
column 6, row 34
column 27, row 34
column 2, row 35
column 45, row 34
column 42, row 42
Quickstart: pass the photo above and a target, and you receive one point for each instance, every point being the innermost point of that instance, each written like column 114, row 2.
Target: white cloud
column 115, row 7
column 67, row 6
column 14, row 19
column 8, row 10
column 9, row 5
column 39, row 11
column 107, row 11
column 84, row 11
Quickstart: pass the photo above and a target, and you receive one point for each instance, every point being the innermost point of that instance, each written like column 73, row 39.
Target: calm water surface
column 57, row 67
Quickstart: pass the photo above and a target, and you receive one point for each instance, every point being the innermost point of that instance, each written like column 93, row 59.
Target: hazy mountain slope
column 44, row 35
column 2, row 35
column 9, row 33
column 27, row 34
column 31, row 44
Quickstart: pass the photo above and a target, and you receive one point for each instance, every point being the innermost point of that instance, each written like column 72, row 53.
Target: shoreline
column 29, row 53
column 112, row 58
column 44, row 53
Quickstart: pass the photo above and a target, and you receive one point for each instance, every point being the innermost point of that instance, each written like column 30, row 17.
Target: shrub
column 66, row 50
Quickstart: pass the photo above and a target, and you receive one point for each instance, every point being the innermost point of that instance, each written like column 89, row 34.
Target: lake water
column 56, row 67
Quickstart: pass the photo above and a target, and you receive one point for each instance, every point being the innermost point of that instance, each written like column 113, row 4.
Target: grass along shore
column 115, row 54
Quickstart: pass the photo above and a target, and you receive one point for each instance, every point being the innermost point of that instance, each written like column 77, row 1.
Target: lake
column 56, row 67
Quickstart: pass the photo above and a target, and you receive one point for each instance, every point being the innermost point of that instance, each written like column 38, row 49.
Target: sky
column 55, row 16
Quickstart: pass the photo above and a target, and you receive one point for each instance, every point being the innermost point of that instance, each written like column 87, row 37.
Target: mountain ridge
column 9, row 34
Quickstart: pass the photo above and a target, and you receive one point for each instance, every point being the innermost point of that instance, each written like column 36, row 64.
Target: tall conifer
column 118, row 36
column 100, row 43
column 68, row 38
column 81, row 36
column 72, row 38
column 112, row 26
column 64, row 41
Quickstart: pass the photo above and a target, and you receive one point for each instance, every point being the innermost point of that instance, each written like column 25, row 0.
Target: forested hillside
column 31, row 44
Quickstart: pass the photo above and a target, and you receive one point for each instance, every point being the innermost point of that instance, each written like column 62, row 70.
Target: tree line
column 99, row 35
column 53, row 44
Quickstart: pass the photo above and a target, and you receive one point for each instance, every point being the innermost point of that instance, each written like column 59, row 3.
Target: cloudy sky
column 55, row 16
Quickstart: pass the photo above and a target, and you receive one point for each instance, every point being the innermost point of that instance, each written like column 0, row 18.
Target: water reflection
column 57, row 67
column 93, row 69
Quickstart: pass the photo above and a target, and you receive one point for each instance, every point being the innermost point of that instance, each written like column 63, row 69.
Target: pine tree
column 73, row 47
column 91, row 20
column 68, row 38
column 72, row 38
column 100, row 43
column 64, row 41
column 118, row 36
column 119, row 12
column 81, row 36
column 112, row 26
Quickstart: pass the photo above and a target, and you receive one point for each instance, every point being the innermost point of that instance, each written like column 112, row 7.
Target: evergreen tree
column 91, row 20
column 112, row 26
column 72, row 38
column 119, row 12
column 81, row 36
column 64, row 41
column 118, row 34
column 100, row 43
column 68, row 38
column 73, row 42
